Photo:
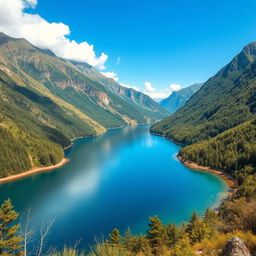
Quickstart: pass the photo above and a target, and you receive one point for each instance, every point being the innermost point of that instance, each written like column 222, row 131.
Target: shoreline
column 172, row 140
column 33, row 171
column 194, row 166
column 52, row 167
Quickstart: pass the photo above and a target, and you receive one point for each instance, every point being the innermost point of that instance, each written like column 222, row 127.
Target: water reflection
column 117, row 179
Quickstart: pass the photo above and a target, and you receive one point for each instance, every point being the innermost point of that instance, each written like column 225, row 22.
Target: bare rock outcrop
column 235, row 247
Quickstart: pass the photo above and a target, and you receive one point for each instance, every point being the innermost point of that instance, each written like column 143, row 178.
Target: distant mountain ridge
column 224, row 101
column 45, row 101
column 178, row 98
column 218, row 123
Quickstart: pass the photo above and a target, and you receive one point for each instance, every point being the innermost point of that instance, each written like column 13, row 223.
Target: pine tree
column 115, row 237
column 156, row 234
column 10, row 240
column 192, row 222
column 142, row 246
column 173, row 234
column 129, row 240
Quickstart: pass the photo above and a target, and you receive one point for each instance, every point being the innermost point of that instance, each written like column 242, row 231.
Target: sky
column 156, row 46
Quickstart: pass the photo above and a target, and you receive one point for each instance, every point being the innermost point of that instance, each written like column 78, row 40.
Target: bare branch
column 45, row 228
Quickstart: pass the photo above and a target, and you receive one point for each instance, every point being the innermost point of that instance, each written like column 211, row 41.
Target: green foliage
column 69, row 252
column 233, row 152
column 156, row 234
column 46, row 101
column 103, row 249
column 14, row 156
column 173, row 234
column 238, row 214
column 224, row 101
column 10, row 240
column 115, row 237
column 230, row 151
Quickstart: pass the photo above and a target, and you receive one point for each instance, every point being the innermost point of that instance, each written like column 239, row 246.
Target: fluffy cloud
column 162, row 93
column 149, row 87
column 112, row 75
column 15, row 22
column 175, row 87
column 130, row 86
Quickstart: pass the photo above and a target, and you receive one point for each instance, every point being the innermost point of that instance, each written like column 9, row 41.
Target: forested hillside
column 225, row 100
column 218, row 123
column 233, row 151
column 46, row 101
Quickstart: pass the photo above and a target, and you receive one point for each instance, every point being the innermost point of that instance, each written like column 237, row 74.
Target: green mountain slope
column 233, row 152
column 178, row 98
column 45, row 101
column 145, row 103
column 224, row 101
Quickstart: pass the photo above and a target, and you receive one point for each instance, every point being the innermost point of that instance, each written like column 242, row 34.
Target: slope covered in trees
column 233, row 151
column 224, row 101
column 46, row 101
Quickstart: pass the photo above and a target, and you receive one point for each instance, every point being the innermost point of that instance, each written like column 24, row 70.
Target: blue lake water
column 117, row 179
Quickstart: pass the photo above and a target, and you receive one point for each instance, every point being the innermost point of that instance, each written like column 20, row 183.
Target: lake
column 117, row 179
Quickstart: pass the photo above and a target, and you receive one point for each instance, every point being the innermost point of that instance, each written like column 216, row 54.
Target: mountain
column 223, row 102
column 178, row 98
column 229, row 151
column 138, row 98
column 45, row 101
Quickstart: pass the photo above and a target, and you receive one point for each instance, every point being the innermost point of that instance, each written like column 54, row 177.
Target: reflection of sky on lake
column 117, row 179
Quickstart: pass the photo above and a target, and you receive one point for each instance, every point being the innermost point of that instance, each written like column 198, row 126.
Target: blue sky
column 162, row 42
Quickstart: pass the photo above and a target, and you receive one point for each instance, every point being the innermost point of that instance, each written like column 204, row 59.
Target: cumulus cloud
column 160, row 93
column 15, row 22
column 149, row 87
column 130, row 86
column 112, row 75
column 175, row 87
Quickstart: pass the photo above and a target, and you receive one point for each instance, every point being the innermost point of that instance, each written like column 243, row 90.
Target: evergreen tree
column 129, row 240
column 198, row 229
column 142, row 246
column 10, row 240
column 173, row 234
column 115, row 237
column 156, row 234
column 192, row 222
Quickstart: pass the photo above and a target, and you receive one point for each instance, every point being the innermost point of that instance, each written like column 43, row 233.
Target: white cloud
column 130, row 86
column 160, row 93
column 157, row 95
column 149, row 87
column 15, row 22
column 175, row 87
column 112, row 75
